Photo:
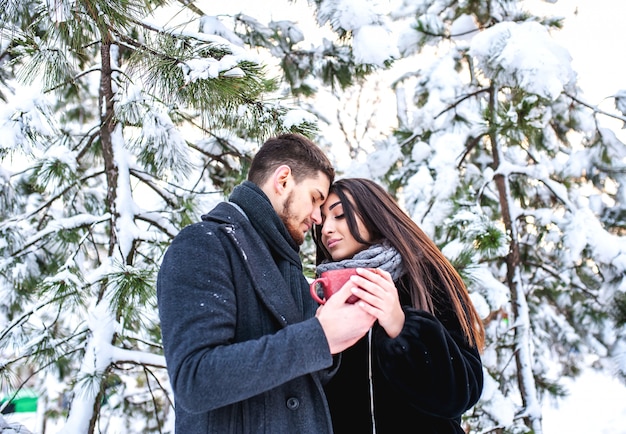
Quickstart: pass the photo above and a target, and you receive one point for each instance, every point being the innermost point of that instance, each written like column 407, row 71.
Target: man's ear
column 282, row 175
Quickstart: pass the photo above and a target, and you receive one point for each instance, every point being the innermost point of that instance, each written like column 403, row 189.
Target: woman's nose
column 327, row 227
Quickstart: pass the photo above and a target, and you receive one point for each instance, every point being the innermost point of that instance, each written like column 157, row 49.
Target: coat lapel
column 260, row 267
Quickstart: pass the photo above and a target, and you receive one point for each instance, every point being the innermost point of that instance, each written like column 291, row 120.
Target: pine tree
column 498, row 158
column 118, row 132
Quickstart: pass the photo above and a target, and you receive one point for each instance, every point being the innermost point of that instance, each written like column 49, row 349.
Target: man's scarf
column 258, row 208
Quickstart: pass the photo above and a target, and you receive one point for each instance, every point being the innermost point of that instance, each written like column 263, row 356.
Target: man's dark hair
column 303, row 156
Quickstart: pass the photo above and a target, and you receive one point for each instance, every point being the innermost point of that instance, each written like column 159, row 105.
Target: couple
column 249, row 351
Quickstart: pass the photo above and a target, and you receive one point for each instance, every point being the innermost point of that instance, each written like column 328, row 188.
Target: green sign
column 24, row 401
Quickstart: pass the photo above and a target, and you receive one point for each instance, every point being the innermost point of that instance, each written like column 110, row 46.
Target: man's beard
column 288, row 219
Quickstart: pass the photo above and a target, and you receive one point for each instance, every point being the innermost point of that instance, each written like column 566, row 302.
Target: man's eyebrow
column 322, row 197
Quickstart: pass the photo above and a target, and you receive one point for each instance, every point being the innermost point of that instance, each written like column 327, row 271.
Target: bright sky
column 593, row 34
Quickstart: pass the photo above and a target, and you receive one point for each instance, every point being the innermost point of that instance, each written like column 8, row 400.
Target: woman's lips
column 331, row 243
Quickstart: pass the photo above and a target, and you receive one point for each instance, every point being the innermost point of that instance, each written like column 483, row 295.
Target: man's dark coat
column 240, row 355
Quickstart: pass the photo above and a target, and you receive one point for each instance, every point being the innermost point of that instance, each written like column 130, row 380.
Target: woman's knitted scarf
column 258, row 208
column 383, row 256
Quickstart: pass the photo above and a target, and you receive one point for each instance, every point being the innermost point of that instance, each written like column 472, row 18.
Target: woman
column 419, row 368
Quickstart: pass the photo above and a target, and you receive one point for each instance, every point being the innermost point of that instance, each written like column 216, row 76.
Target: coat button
column 293, row 403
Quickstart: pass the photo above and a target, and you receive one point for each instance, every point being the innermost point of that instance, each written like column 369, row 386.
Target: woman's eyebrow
column 334, row 205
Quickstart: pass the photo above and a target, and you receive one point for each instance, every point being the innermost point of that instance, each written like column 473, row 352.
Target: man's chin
column 299, row 239
column 297, row 236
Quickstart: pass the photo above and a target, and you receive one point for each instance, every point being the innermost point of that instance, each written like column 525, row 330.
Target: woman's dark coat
column 241, row 357
column 423, row 380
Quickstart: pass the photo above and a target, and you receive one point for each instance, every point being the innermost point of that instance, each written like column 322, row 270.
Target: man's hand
column 343, row 323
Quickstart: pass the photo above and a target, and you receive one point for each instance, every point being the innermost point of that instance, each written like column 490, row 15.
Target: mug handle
column 313, row 289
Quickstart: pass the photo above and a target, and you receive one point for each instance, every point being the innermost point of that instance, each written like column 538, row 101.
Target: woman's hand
column 379, row 297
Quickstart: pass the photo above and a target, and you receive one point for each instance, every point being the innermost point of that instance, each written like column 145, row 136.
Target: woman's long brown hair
column 431, row 276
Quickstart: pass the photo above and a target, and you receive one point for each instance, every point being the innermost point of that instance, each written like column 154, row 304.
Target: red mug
column 330, row 282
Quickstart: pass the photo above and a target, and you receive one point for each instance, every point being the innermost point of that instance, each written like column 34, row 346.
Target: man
column 246, row 347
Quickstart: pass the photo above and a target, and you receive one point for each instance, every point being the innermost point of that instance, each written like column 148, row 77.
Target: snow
column 596, row 405
column 29, row 103
column 297, row 116
column 529, row 48
column 596, row 401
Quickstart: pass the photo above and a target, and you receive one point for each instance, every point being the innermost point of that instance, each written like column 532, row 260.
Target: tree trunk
column 521, row 317
column 107, row 125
